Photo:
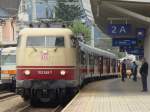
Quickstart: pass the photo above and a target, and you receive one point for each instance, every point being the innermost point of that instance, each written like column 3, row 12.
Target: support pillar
column 34, row 10
column 147, row 53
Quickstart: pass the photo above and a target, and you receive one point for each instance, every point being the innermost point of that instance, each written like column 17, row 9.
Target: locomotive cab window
column 55, row 41
column 36, row 41
column 45, row 41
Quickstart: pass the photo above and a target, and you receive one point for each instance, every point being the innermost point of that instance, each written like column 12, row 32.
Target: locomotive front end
column 46, row 63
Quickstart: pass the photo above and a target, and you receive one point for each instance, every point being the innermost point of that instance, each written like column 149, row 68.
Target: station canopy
column 134, row 12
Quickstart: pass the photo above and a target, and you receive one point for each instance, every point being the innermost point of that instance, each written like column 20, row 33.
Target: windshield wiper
column 34, row 49
column 55, row 49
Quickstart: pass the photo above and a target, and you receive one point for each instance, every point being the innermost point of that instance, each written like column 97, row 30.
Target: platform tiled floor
column 111, row 96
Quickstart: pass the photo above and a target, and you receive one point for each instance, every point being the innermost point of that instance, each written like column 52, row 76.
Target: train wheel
column 72, row 91
column 76, row 90
column 34, row 101
column 25, row 98
column 48, row 97
column 62, row 96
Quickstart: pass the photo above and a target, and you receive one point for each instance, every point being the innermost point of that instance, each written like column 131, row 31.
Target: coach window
column 54, row 41
column 82, row 58
column 105, row 64
column 96, row 60
column 101, row 64
column 114, row 65
column 36, row 41
column 91, row 62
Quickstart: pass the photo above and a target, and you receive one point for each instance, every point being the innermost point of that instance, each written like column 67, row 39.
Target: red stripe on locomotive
column 46, row 67
column 45, row 74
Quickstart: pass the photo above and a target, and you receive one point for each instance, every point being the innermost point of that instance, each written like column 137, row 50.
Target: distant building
column 86, row 5
column 7, row 27
column 11, row 6
column 8, row 14
column 32, row 10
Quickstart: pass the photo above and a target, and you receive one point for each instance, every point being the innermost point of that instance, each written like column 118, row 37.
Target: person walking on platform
column 134, row 71
column 123, row 70
column 144, row 74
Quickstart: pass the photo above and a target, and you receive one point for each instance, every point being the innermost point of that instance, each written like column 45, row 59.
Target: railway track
column 29, row 108
column 6, row 94
column 42, row 108
column 19, row 105
column 2, row 92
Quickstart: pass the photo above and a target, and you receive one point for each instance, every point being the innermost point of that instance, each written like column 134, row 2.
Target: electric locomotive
column 52, row 63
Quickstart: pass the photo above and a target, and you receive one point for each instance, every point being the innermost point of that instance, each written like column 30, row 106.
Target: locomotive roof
column 46, row 31
column 101, row 52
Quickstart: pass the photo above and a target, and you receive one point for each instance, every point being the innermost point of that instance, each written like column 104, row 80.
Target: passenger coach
column 8, row 68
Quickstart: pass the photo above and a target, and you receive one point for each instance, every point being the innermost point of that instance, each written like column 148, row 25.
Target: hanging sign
column 124, row 42
column 136, row 51
column 140, row 33
column 119, row 29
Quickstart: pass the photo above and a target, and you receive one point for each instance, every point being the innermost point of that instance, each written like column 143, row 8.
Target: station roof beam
column 119, row 11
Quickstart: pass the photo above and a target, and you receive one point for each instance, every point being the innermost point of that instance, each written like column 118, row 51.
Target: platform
column 111, row 95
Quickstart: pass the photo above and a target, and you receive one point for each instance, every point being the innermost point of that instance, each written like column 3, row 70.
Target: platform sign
column 132, row 50
column 140, row 33
column 119, row 29
column 124, row 42
column 136, row 51
column 130, row 47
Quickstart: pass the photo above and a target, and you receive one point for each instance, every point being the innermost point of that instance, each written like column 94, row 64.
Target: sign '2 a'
column 119, row 29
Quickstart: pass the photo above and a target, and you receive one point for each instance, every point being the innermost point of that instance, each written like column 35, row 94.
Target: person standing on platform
column 134, row 71
column 144, row 74
column 123, row 70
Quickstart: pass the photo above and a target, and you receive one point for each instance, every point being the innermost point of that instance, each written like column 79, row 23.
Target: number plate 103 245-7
column 46, row 72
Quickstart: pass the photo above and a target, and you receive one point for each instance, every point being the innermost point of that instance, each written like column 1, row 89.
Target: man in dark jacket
column 123, row 70
column 144, row 74
column 134, row 71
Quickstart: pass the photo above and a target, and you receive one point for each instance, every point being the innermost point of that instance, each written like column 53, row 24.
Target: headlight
column 27, row 72
column 62, row 72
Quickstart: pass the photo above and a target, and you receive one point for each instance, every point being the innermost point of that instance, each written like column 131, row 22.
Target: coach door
column 108, row 65
column 104, row 65
column 91, row 64
column 88, row 65
column 101, row 65
column 96, row 65
column 114, row 66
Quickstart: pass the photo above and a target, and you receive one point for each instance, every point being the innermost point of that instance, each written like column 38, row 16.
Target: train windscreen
column 8, row 59
column 42, row 41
